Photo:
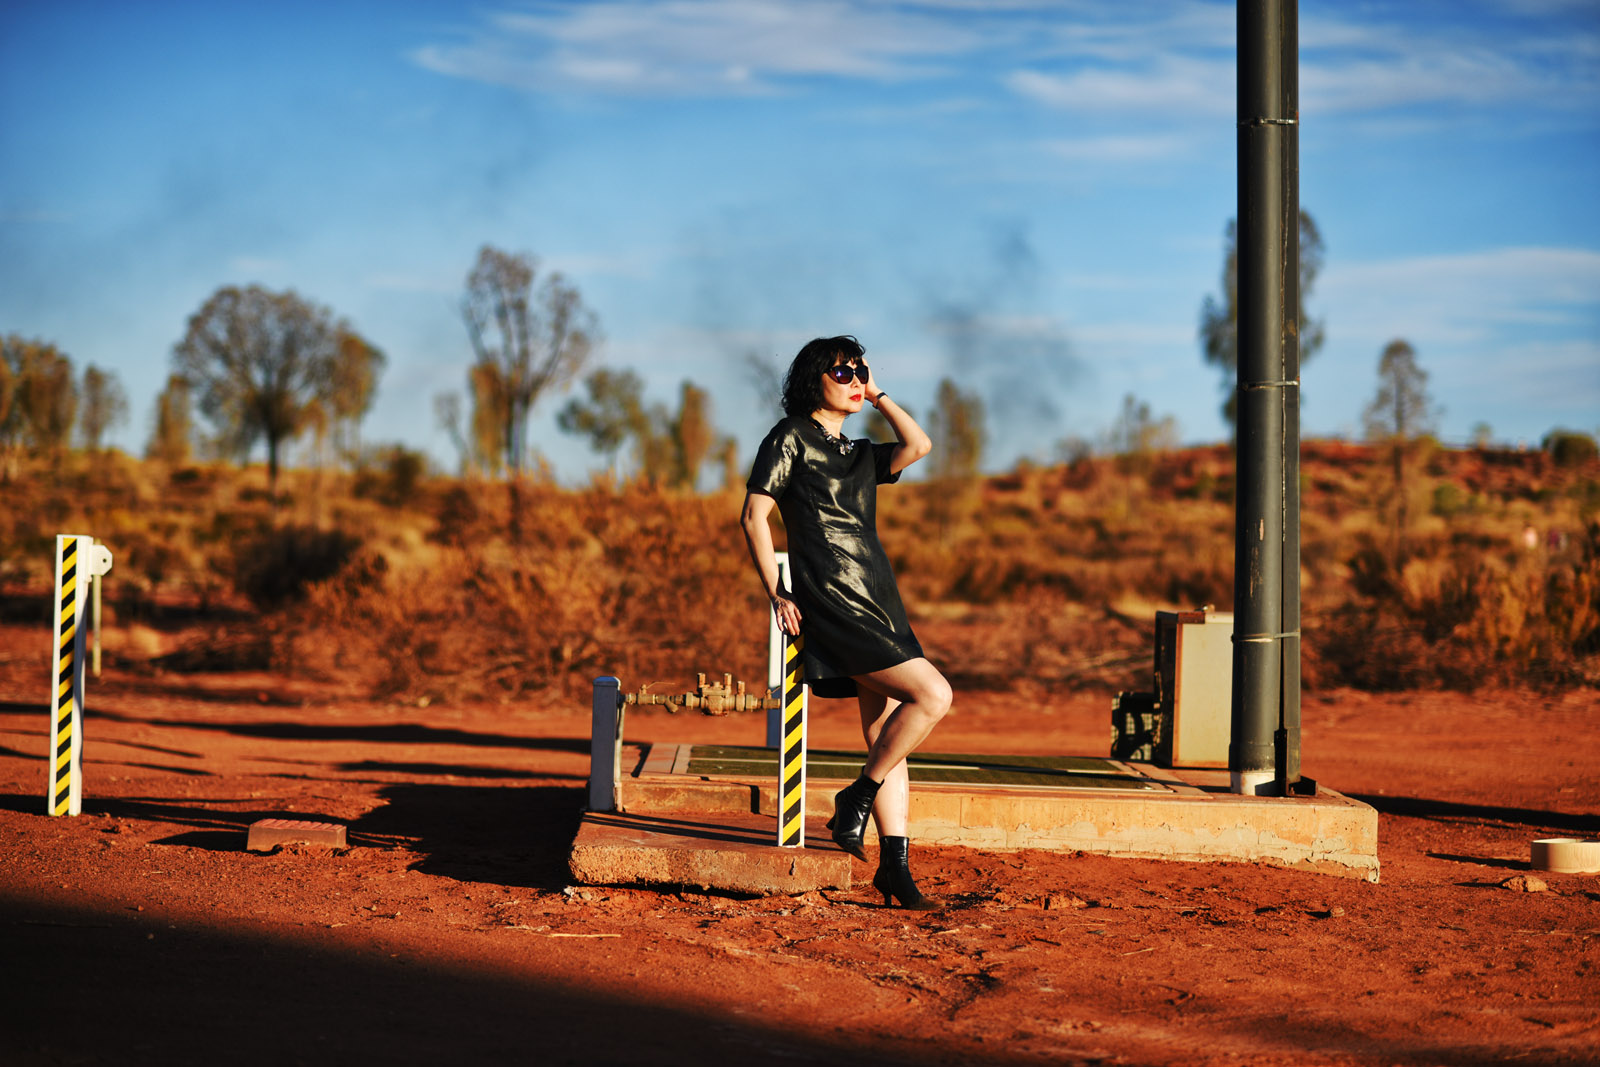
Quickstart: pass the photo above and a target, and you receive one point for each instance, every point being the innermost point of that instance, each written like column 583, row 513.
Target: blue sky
column 1029, row 196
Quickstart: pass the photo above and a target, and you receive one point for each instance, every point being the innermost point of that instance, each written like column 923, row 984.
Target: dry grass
column 442, row 588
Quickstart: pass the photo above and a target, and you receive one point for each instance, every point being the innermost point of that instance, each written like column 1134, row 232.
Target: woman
column 858, row 642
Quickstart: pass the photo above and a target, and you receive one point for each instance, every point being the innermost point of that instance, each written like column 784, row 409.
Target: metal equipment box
column 1194, row 687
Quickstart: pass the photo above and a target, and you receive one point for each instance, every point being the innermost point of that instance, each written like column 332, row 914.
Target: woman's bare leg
column 924, row 697
column 892, row 807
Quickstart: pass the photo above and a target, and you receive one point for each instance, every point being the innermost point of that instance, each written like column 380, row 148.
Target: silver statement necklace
column 842, row 443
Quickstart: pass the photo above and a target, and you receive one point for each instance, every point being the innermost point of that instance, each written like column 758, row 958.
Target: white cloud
column 1119, row 148
column 1171, row 86
column 1461, row 298
column 694, row 47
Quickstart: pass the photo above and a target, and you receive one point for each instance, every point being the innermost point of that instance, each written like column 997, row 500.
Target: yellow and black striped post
column 792, row 756
column 79, row 561
column 65, row 795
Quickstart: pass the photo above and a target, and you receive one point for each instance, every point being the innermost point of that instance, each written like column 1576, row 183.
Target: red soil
column 143, row 932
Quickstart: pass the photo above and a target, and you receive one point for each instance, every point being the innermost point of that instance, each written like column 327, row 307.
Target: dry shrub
column 1041, row 636
column 647, row 586
column 276, row 566
column 1465, row 619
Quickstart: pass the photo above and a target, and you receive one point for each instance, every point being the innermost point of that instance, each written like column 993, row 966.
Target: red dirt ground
column 143, row 932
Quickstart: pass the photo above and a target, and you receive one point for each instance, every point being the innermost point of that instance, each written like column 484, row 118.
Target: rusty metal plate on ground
column 1064, row 772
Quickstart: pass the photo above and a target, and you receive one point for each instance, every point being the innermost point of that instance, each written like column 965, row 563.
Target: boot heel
column 893, row 878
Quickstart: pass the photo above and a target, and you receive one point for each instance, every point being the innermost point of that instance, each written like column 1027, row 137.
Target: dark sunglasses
column 843, row 372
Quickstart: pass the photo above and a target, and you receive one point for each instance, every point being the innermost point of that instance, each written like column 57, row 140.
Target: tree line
column 271, row 368
column 45, row 404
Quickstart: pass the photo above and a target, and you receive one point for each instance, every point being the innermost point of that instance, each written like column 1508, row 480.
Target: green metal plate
column 1069, row 772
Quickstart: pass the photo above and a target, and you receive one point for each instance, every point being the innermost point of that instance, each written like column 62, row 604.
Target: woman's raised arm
column 914, row 441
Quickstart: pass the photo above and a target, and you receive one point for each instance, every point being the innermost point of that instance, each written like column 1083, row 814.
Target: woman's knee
column 936, row 696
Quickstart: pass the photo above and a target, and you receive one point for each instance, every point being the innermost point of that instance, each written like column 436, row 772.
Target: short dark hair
column 802, row 386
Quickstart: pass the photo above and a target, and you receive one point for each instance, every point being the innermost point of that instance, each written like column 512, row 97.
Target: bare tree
column 1136, row 432
column 526, row 339
column 172, row 436
column 1399, row 413
column 104, row 405
column 262, row 364
column 1219, row 318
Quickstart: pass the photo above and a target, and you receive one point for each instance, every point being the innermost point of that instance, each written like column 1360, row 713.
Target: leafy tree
column 352, row 386
column 172, row 437
column 263, row 366
column 692, row 435
column 526, row 340
column 957, row 429
column 1399, row 413
column 671, row 449
column 41, row 401
column 613, row 412
column 104, row 405
column 727, row 456
column 1570, row 448
column 1219, row 318
column 8, row 397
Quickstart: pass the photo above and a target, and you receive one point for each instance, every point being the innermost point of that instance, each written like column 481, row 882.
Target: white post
column 775, row 661
column 605, row 744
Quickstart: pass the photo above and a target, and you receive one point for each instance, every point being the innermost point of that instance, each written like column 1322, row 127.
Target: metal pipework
column 1267, row 520
column 717, row 698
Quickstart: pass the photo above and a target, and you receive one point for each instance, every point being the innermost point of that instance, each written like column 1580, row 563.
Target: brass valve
column 717, row 698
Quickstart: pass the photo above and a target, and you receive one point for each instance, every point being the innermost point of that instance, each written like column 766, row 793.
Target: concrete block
column 267, row 834
column 728, row 851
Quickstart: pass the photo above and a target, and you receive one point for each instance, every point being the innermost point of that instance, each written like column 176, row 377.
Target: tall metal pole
column 1286, row 741
column 1268, row 236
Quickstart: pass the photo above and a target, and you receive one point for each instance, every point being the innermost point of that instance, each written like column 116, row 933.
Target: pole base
column 1254, row 783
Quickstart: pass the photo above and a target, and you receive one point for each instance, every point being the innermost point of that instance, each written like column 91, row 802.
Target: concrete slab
column 706, row 849
column 1160, row 813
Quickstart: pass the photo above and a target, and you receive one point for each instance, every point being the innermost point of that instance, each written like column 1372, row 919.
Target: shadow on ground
column 503, row 835
column 275, row 1000
column 1447, row 810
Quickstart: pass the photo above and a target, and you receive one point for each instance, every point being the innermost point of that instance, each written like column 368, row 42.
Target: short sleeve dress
column 851, row 613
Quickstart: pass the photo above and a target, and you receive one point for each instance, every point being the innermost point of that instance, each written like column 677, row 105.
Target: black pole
column 1266, row 231
column 1287, row 740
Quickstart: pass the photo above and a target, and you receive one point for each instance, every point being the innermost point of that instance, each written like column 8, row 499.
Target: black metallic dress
column 851, row 614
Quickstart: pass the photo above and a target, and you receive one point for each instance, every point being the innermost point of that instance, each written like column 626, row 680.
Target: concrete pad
column 267, row 834
column 1165, row 813
column 709, row 850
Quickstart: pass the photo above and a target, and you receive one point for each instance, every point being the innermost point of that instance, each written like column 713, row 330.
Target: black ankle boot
column 852, row 807
column 893, row 879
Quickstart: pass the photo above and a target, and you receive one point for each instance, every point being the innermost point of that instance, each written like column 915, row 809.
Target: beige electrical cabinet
column 1194, row 688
